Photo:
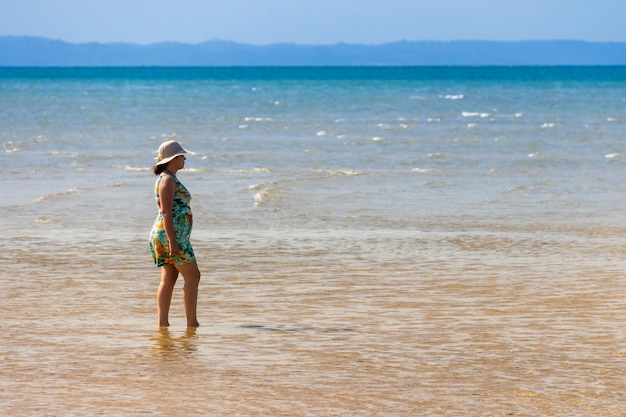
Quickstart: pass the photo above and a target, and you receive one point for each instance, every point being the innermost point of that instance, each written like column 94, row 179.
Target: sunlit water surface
column 421, row 246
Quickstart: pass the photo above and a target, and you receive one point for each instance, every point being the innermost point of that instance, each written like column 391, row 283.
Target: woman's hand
column 174, row 249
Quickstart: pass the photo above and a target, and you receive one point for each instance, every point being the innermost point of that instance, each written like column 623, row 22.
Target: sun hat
column 168, row 151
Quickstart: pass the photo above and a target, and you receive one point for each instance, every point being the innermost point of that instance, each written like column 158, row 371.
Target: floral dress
column 183, row 220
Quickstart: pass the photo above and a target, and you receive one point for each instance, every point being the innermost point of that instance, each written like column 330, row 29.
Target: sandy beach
column 293, row 326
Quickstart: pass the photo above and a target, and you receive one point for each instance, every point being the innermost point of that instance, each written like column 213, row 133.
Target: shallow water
column 378, row 323
column 357, row 258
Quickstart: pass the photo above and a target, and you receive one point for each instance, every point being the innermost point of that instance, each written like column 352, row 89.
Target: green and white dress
column 183, row 220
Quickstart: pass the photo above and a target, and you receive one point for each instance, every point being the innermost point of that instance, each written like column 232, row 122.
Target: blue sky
column 314, row 21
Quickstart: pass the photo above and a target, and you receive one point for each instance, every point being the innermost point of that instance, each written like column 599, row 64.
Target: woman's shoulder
column 167, row 180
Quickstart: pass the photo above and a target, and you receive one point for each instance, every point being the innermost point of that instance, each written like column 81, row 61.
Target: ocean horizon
column 44, row 52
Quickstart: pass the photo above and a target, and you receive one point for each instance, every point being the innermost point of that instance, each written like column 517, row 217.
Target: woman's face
column 179, row 162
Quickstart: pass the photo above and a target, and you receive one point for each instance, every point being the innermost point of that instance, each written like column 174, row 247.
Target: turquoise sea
column 426, row 241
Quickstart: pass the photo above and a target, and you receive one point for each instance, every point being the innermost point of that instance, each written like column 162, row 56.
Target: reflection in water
column 168, row 346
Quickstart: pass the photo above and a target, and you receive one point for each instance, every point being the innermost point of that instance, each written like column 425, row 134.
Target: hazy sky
column 313, row 21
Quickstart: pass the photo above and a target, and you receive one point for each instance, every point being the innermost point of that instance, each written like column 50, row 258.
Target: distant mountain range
column 32, row 51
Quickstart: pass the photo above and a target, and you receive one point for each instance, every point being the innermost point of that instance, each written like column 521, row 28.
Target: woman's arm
column 167, row 190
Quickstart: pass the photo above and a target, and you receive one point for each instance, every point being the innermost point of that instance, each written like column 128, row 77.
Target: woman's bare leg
column 191, row 274
column 169, row 275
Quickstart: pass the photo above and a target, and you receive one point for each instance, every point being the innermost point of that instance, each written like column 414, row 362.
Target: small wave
column 54, row 196
column 611, row 119
column 246, row 171
column 169, row 136
column 258, row 119
column 322, row 133
column 198, row 170
column 53, row 153
column 454, row 97
column 436, row 184
column 134, row 168
column 433, row 119
column 400, row 125
column 538, row 155
column 422, row 170
column 339, row 172
column 11, row 147
column 377, row 139
column 266, row 192
column 475, row 114
column 547, row 125
column 261, row 197
column 437, row 155
column 615, row 155
column 518, row 188
column 42, row 139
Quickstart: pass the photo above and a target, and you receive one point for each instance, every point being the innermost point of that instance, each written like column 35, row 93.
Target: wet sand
column 373, row 323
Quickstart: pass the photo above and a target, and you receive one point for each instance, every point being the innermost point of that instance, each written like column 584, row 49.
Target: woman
column 169, row 238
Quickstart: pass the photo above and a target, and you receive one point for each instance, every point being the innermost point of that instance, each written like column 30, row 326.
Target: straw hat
column 168, row 151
